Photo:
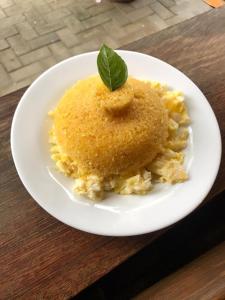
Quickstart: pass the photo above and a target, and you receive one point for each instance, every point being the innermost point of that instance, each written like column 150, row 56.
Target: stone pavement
column 35, row 35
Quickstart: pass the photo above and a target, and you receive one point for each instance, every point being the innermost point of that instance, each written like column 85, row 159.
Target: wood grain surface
column 40, row 257
column 204, row 278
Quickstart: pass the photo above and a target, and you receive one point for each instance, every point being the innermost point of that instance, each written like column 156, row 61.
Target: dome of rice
column 107, row 133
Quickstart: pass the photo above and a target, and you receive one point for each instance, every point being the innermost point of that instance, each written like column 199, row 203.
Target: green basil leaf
column 112, row 68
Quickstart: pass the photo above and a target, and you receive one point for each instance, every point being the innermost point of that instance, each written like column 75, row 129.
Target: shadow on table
column 190, row 238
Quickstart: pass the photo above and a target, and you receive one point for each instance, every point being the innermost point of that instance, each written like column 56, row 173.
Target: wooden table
column 43, row 258
column 204, row 278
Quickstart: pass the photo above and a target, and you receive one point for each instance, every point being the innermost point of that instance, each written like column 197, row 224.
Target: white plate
column 117, row 215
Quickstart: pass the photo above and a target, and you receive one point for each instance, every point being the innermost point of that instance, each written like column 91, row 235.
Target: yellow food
column 122, row 140
column 107, row 144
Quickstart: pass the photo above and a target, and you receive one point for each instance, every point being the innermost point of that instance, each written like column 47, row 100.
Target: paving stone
column 7, row 31
column 6, row 3
column 14, row 86
column 86, row 3
column 27, row 81
column 24, row 4
column 3, row 44
column 92, row 40
column 156, row 22
column 10, row 21
column 113, row 43
column 140, row 13
column 91, row 34
column 79, row 12
column 43, row 8
column 73, row 24
column 19, row 45
column 161, row 10
column 67, row 37
column 119, row 16
column 26, row 31
column 65, row 3
column 144, row 27
column 43, row 40
column 167, row 3
column 59, row 51
column 13, row 10
column 26, row 71
column 48, row 62
column 98, row 19
column 39, row 33
column 33, row 17
column 51, row 26
column 9, row 60
column 174, row 20
column 35, row 55
column 56, row 15
column 2, row 14
column 147, row 25
column 100, row 8
column 84, row 47
column 7, row 88
column 142, row 3
column 191, row 8
column 124, row 7
column 130, row 28
column 117, row 32
column 5, row 79
column 130, row 37
column 138, row 30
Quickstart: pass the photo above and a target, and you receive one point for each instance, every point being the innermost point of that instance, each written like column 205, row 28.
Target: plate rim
column 107, row 232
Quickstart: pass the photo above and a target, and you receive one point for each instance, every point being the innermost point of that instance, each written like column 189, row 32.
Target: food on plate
column 113, row 132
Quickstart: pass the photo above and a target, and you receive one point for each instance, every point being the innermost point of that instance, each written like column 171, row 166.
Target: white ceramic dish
column 117, row 215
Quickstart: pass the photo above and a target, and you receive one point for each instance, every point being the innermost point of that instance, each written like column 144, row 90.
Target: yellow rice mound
column 122, row 141
column 105, row 139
